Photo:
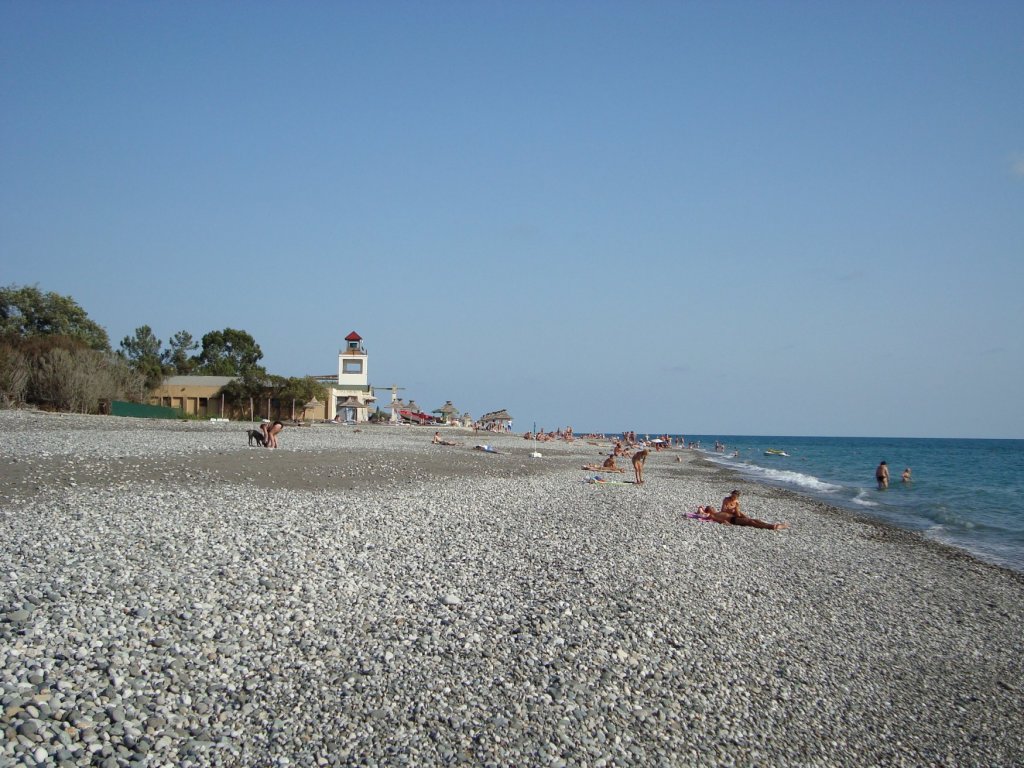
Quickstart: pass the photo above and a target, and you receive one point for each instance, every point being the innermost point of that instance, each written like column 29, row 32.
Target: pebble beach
column 171, row 596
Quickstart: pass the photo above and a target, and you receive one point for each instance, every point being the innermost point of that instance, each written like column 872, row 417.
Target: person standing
column 638, row 465
column 906, row 475
column 882, row 476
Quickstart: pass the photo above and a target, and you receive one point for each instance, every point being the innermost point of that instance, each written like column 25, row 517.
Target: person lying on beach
column 607, row 466
column 716, row 516
column 270, row 432
column 484, row 448
column 438, row 441
column 730, row 514
column 638, row 466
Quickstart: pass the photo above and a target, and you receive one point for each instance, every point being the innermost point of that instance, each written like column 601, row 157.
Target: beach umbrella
column 448, row 411
column 312, row 405
column 350, row 402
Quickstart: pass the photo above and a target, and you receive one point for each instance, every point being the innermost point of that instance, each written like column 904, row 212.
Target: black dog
column 257, row 436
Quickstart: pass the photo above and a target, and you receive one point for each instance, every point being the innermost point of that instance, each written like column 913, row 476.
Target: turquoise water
column 966, row 493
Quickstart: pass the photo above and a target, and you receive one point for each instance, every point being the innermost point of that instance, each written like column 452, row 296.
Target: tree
column 26, row 311
column 230, row 353
column 240, row 392
column 142, row 351
column 297, row 390
column 301, row 390
column 176, row 358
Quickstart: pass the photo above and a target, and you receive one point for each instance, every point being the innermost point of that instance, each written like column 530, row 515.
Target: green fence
column 141, row 411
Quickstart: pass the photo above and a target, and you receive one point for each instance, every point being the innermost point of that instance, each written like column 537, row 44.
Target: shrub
column 77, row 379
column 14, row 376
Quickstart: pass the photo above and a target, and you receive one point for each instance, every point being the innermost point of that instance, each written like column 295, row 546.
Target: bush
column 77, row 379
column 14, row 376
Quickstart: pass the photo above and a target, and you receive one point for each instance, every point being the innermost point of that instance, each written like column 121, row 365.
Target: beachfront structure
column 193, row 395
column 349, row 394
column 498, row 420
column 448, row 413
column 350, row 397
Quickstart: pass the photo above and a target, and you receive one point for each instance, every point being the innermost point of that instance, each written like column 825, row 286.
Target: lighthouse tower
column 352, row 363
column 352, row 397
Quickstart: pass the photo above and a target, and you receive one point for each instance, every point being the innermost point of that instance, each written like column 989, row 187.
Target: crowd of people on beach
column 544, row 437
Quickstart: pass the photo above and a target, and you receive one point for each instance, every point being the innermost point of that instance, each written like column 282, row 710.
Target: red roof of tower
column 353, row 337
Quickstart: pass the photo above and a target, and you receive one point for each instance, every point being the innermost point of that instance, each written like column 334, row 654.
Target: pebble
column 370, row 598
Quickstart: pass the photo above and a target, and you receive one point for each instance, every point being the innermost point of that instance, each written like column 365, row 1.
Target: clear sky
column 722, row 218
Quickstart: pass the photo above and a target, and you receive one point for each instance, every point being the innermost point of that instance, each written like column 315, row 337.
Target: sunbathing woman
column 730, row 515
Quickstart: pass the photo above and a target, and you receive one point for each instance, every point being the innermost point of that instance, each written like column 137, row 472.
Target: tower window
column 352, row 366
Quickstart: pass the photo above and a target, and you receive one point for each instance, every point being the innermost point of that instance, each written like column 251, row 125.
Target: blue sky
column 717, row 218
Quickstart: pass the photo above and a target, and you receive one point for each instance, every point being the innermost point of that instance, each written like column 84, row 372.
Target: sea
column 965, row 493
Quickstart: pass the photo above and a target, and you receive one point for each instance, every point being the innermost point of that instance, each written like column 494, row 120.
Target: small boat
column 775, row 452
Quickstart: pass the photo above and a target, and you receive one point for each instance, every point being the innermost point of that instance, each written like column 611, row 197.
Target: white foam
column 775, row 476
column 789, row 477
column 861, row 499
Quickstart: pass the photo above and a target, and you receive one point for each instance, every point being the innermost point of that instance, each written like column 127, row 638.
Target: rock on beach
column 171, row 596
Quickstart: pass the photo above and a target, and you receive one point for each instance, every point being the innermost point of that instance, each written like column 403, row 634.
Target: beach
column 171, row 596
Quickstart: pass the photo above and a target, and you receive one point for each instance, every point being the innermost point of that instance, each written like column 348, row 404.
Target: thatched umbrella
column 312, row 405
column 351, row 402
column 501, row 415
column 448, row 411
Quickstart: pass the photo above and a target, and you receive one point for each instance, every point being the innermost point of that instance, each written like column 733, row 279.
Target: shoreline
column 168, row 594
column 906, row 535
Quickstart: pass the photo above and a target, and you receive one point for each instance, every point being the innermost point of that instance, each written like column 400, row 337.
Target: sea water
column 966, row 493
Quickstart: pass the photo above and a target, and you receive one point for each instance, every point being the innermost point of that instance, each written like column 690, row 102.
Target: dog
column 256, row 436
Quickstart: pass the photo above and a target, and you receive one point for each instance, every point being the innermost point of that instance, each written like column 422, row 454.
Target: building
column 192, row 395
column 350, row 397
column 349, row 394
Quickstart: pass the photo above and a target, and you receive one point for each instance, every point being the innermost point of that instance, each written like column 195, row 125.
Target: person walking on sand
column 882, row 476
column 638, row 465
